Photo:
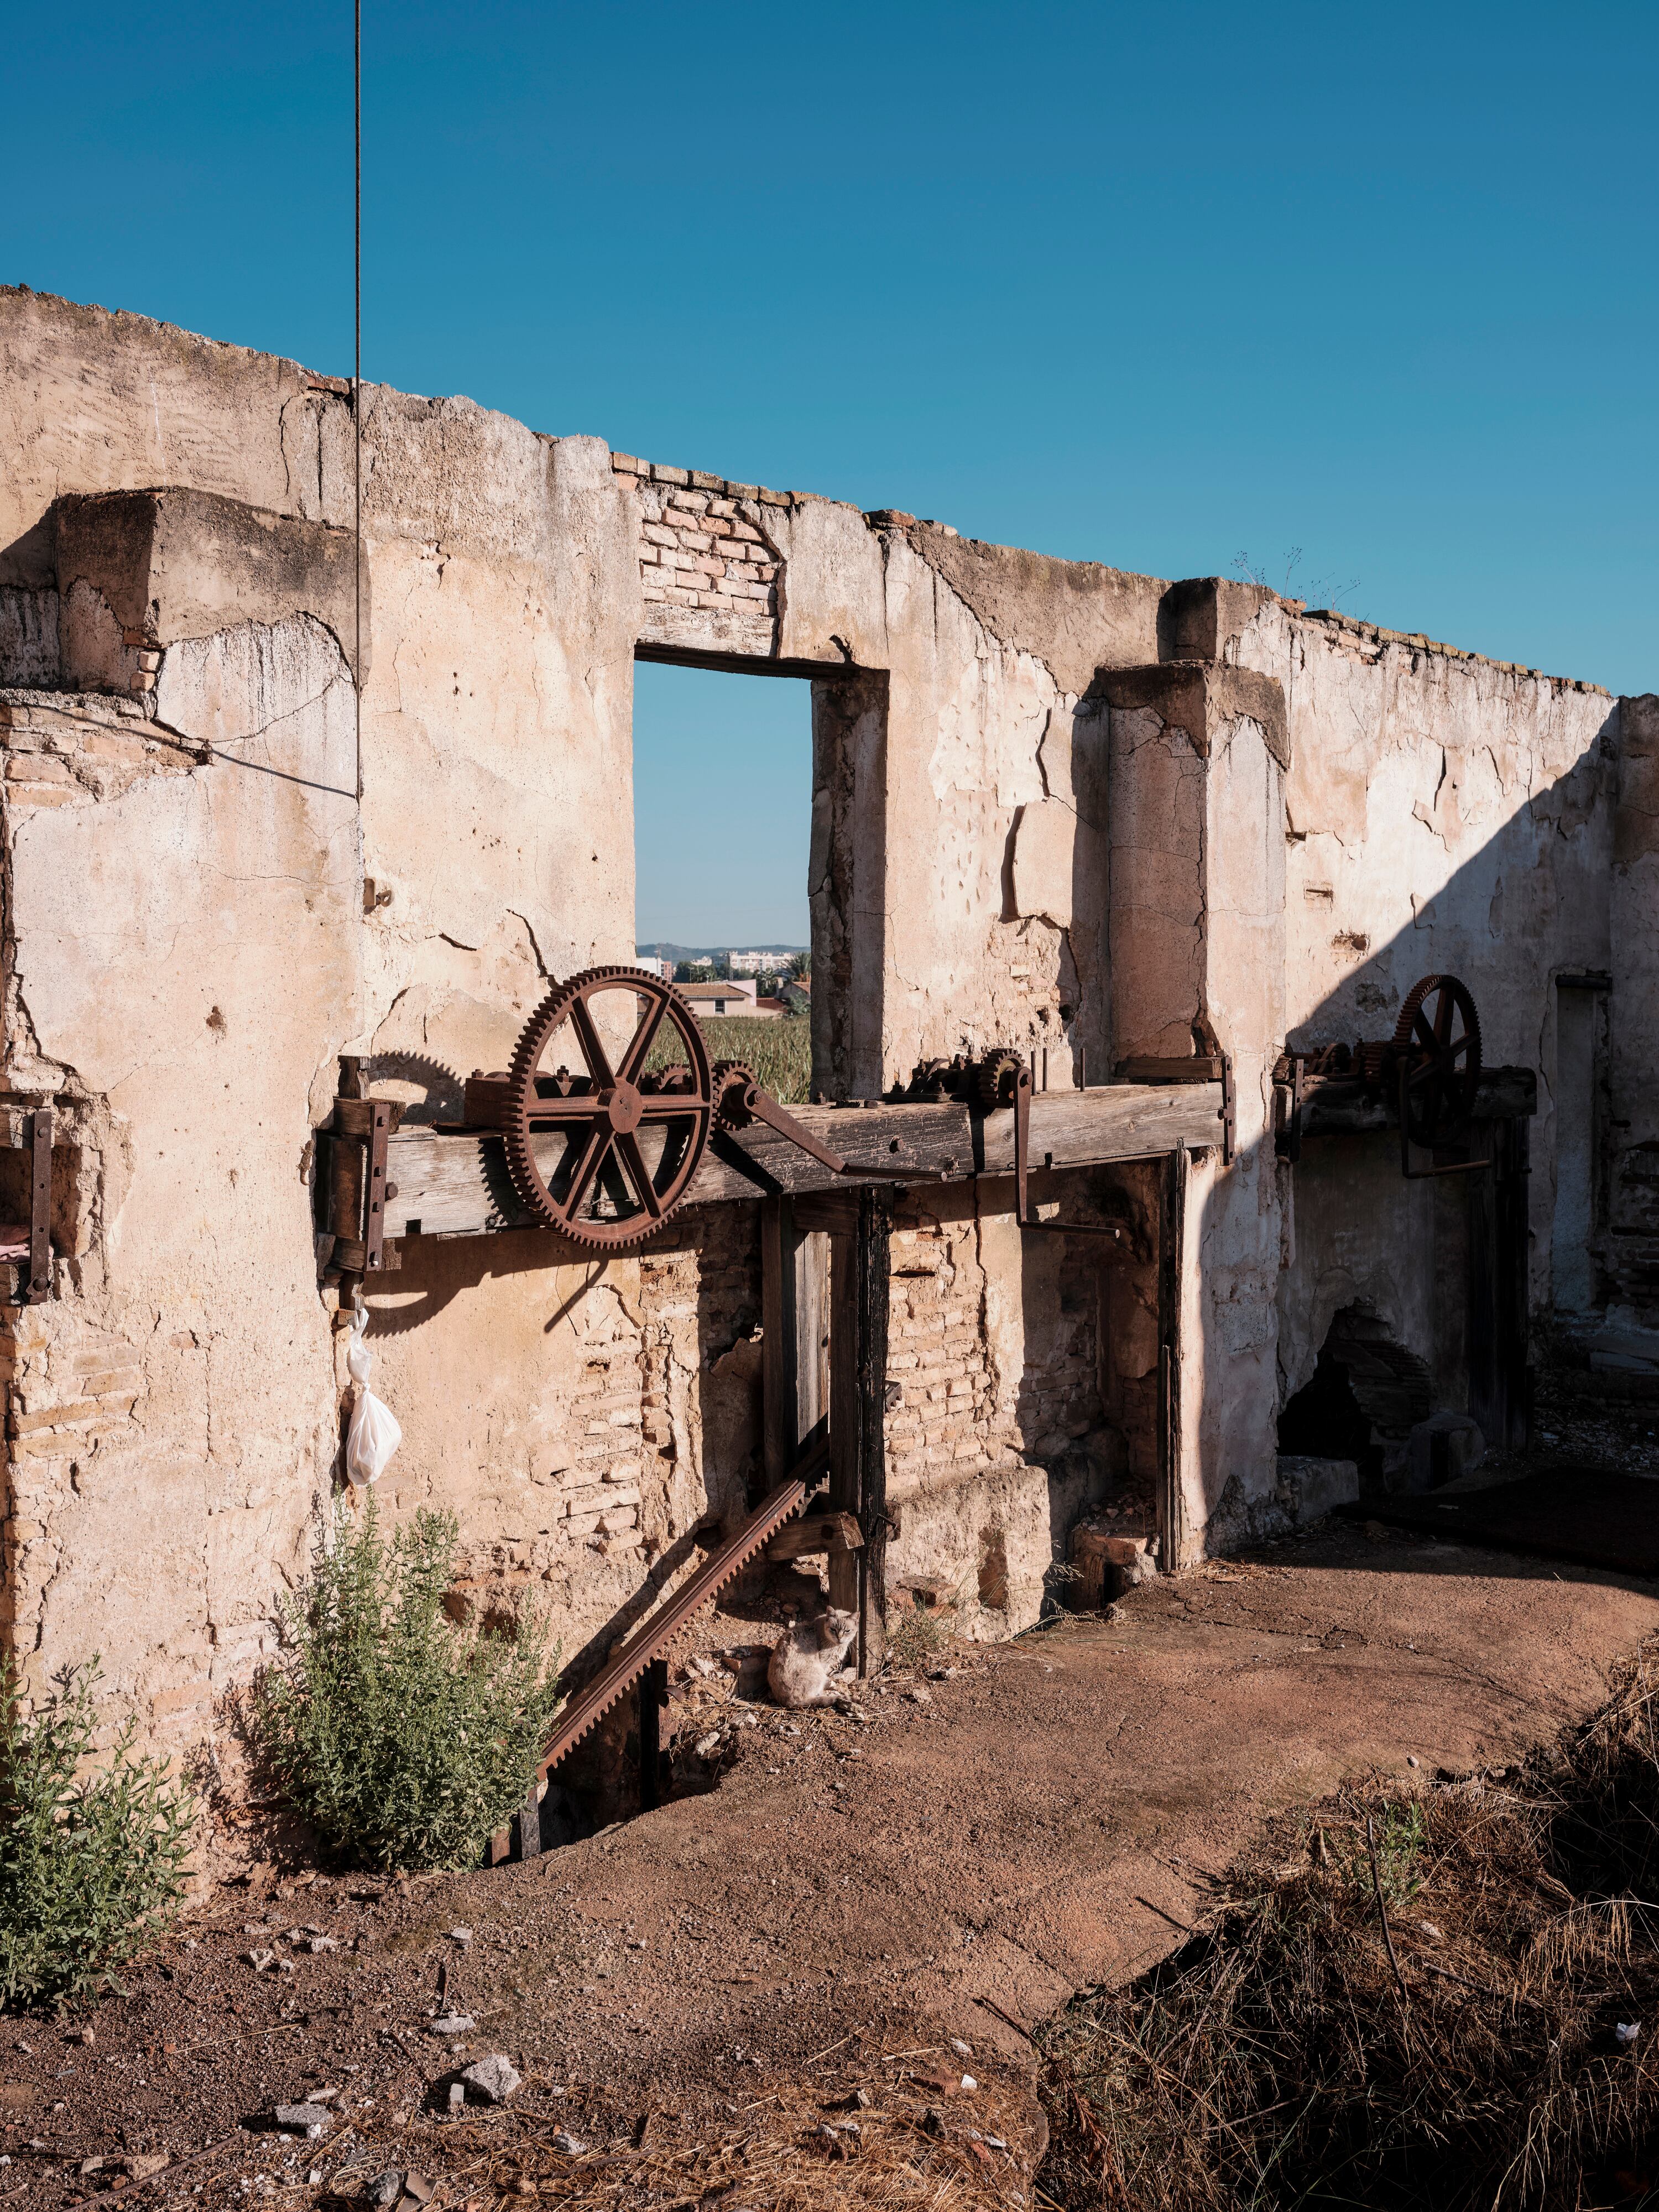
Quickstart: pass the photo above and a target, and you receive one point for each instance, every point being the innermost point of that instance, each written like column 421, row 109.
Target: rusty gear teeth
column 995, row 1074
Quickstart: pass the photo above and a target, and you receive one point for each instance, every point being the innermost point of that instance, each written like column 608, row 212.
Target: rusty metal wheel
column 1437, row 1048
column 599, row 1148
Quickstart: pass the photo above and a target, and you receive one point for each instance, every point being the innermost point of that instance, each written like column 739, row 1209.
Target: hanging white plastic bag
column 374, row 1434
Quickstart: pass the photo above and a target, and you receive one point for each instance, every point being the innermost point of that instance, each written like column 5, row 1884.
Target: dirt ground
column 878, row 1902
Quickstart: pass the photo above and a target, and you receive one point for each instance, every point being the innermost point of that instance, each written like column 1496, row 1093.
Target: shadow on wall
column 1379, row 1282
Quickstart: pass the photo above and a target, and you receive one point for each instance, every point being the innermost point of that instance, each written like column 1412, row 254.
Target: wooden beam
column 444, row 1185
column 1109, row 1122
column 819, row 1532
column 1340, row 1105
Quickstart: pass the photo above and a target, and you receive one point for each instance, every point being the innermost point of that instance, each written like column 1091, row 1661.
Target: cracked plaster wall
column 1443, row 813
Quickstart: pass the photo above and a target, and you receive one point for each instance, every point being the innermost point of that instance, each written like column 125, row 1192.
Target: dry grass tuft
column 1406, row 1999
column 796, row 2146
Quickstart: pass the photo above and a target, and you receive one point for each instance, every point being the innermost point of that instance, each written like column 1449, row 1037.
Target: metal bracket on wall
column 1287, row 1135
column 353, row 1190
column 1023, row 1213
column 1228, row 1110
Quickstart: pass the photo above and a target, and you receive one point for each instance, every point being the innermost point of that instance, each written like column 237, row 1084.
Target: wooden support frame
column 444, row 1183
column 1172, row 1231
column 27, row 1245
column 859, row 1267
column 1500, row 1370
column 795, row 1325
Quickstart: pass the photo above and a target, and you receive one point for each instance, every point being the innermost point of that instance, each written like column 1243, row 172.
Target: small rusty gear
column 1371, row 1061
column 603, row 1192
column 664, row 1082
column 733, row 1079
column 996, row 1074
column 1437, row 1053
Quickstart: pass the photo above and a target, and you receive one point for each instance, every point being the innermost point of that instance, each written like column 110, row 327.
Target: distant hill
column 663, row 949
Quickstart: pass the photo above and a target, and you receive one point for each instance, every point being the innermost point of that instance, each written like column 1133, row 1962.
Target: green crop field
column 779, row 1052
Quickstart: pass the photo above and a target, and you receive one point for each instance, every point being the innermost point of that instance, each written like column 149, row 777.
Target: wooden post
column 794, row 1296
column 1171, row 1259
column 1499, row 1249
column 654, row 1696
column 859, row 1295
column 526, row 1843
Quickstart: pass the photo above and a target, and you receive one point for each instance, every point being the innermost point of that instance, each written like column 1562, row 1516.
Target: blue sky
column 1148, row 286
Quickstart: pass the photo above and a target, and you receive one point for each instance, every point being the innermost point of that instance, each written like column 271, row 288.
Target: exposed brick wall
column 661, row 1428
column 960, row 1412
column 705, row 552
column 937, row 1355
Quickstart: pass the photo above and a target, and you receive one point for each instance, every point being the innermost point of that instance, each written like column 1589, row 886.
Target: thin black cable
column 357, row 382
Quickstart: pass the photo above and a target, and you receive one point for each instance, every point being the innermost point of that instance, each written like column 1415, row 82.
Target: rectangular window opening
column 723, row 836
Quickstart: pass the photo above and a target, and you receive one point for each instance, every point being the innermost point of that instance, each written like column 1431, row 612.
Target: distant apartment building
column 760, row 963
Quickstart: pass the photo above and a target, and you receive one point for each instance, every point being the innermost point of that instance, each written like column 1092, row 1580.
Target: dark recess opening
column 1366, row 1395
column 1324, row 1420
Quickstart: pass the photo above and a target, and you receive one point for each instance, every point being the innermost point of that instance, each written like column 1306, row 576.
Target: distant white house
column 738, row 996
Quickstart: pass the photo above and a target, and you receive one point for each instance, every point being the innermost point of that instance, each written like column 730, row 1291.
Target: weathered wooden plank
column 859, row 1296
column 1109, row 1122
column 1340, row 1105
column 458, row 1186
column 819, row 1532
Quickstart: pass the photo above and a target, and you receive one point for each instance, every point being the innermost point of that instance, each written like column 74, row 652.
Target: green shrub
column 406, row 1740
column 92, row 1864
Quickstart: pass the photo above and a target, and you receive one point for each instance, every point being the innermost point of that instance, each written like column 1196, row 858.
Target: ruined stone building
column 1159, row 843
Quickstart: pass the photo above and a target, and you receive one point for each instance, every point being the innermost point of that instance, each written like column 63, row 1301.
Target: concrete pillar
column 1196, row 824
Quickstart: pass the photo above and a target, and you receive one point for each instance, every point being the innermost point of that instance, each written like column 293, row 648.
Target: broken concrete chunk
column 143, row 2164
column 307, row 2120
column 567, row 2144
column 461, row 1935
column 452, row 2023
column 494, row 2079
column 383, row 2192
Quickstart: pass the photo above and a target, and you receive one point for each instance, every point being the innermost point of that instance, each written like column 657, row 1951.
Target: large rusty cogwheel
column 600, row 1146
column 1436, row 1049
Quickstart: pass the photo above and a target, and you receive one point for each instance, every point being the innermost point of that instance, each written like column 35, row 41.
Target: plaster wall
column 1443, row 813
column 190, row 950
